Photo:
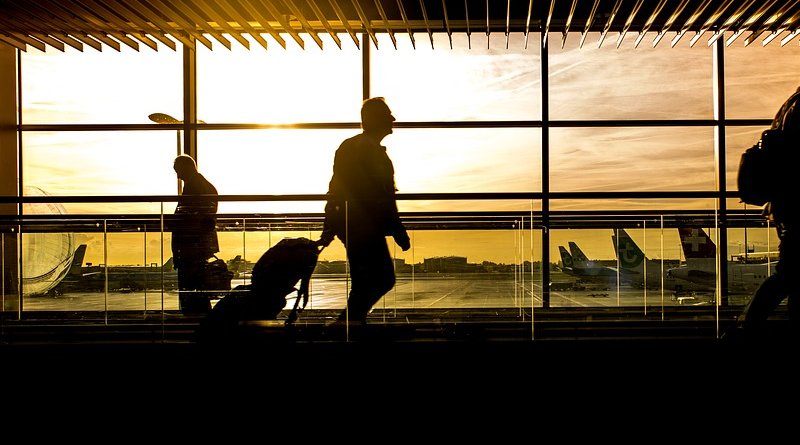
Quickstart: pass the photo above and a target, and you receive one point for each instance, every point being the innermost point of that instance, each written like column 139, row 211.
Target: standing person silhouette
column 194, row 235
column 361, row 210
column 782, row 210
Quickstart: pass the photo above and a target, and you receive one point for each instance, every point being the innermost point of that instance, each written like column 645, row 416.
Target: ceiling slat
column 447, row 24
column 547, row 22
column 149, row 14
column 567, row 24
column 629, row 22
column 60, row 22
column 404, row 16
column 221, row 22
column 345, row 22
column 132, row 23
column 466, row 19
column 22, row 46
column 365, row 22
column 385, row 19
column 123, row 28
column 190, row 28
column 264, row 23
column 276, row 14
column 649, row 23
column 325, row 23
column 96, row 15
column 69, row 40
column 427, row 22
column 757, row 27
column 673, row 18
column 303, row 22
column 55, row 43
column 193, row 15
column 146, row 28
column 730, row 21
column 38, row 36
column 611, row 18
column 36, row 43
column 690, row 21
column 244, row 24
column 589, row 21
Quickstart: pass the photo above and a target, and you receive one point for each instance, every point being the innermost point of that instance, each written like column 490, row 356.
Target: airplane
column 575, row 263
column 701, row 264
column 642, row 271
column 91, row 278
column 239, row 267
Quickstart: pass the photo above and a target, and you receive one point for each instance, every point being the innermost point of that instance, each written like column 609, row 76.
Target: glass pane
column 632, row 159
column 476, row 79
column 425, row 161
column 280, row 85
column 759, row 78
column 737, row 140
column 629, row 83
column 466, row 160
column 91, row 87
column 101, row 163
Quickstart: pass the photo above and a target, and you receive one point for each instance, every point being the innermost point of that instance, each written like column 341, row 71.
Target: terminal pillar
column 9, row 184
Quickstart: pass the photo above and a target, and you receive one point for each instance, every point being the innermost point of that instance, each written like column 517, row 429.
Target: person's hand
column 325, row 239
column 402, row 240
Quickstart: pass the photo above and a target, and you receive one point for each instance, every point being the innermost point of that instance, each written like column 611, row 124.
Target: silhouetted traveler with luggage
column 194, row 235
column 361, row 210
column 782, row 210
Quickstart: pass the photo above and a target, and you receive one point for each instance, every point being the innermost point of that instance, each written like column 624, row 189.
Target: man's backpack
column 756, row 178
column 274, row 277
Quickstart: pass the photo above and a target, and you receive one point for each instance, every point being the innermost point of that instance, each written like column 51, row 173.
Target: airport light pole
column 161, row 118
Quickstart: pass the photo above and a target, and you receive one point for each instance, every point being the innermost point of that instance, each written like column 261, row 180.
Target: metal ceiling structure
column 59, row 24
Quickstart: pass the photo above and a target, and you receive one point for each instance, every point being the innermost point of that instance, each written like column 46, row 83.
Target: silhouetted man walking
column 362, row 210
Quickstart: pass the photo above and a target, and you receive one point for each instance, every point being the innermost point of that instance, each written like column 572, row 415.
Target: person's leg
column 190, row 282
column 773, row 290
column 372, row 276
column 764, row 302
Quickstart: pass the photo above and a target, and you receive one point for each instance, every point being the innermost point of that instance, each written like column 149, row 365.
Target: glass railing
column 462, row 267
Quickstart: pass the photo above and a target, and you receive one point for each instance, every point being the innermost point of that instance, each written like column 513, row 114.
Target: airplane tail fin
column 577, row 253
column 77, row 260
column 629, row 254
column 696, row 243
column 169, row 265
column 566, row 258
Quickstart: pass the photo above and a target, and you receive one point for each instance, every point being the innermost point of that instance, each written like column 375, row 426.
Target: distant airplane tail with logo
column 629, row 254
column 566, row 258
column 696, row 244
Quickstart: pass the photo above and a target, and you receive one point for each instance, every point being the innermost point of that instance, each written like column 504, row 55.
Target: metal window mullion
column 545, row 152
column 719, row 155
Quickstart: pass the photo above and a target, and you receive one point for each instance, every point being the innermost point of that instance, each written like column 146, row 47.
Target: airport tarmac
column 454, row 291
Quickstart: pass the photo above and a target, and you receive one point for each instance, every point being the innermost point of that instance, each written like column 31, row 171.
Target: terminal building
column 520, row 126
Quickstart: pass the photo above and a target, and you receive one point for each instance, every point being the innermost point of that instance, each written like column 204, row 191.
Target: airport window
column 93, row 87
column 601, row 83
column 632, row 158
column 759, row 78
column 478, row 79
column 280, row 85
column 470, row 120
column 99, row 163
